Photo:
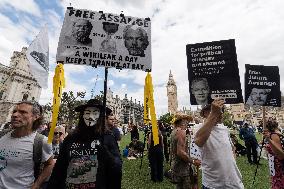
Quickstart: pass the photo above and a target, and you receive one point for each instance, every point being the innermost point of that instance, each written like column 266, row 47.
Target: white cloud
column 110, row 83
column 257, row 27
column 28, row 6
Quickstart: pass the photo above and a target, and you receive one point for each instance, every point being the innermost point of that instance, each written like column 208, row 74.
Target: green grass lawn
column 134, row 178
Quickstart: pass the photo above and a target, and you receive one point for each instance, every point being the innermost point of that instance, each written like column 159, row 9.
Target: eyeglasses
column 56, row 133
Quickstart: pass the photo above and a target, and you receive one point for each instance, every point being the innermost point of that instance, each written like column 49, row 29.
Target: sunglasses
column 56, row 133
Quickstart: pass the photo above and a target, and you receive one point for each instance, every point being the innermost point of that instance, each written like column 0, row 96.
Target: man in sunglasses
column 219, row 168
column 59, row 134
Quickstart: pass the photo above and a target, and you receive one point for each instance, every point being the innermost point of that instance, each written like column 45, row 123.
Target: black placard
column 213, row 72
column 262, row 85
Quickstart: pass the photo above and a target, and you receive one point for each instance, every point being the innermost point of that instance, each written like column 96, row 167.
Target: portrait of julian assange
column 135, row 40
column 80, row 33
column 200, row 91
column 258, row 97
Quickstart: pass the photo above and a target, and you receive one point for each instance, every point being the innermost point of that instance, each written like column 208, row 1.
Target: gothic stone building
column 17, row 84
column 125, row 110
column 172, row 95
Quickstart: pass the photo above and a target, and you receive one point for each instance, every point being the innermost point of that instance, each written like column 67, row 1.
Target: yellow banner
column 146, row 103
column 58, row 84
column 149, row 93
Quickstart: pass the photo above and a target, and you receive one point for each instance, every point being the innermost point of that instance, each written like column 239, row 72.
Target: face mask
column 91, row 116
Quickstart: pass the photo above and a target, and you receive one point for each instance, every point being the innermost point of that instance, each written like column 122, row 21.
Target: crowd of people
column 89, row 157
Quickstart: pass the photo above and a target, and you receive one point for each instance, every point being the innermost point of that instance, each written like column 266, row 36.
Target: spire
column 171, row 79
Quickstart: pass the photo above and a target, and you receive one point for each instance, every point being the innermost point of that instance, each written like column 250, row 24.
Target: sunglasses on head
column 56, row 133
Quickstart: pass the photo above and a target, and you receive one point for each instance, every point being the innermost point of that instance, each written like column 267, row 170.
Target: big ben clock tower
column 172, row 95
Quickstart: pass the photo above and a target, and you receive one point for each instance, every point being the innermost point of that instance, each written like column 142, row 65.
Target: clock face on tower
column 171, row 89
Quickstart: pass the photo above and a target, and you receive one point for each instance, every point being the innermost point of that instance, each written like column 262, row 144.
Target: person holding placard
column 275, row 149
column 219, row 168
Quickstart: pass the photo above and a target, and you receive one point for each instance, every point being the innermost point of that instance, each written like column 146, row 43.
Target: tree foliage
column 167, row 118
column 227, row 119
column 69, row 101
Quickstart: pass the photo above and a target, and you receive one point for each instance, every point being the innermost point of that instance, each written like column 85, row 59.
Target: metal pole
column 104, row 99
column 262, row 144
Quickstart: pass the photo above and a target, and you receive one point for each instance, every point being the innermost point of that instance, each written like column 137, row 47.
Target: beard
column 81, row 36
column 135, row 51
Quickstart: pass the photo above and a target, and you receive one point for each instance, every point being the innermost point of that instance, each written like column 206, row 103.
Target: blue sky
column 256, row 25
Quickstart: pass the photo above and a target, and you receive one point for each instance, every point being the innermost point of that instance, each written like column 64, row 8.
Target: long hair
column 271, row 125
column 85, row 132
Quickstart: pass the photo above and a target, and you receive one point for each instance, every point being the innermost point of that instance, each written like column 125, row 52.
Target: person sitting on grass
column 240, row 150
column 136, row 148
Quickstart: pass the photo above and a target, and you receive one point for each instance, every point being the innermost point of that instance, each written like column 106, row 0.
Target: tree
column 167, row 118
column 227, row 119
column 67, row 112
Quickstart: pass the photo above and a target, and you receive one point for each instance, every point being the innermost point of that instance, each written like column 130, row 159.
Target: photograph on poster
column 258, row 96
column 200, row 90
column 135, row 40
column 80, row 34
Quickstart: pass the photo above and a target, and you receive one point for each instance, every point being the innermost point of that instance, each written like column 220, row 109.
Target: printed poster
column 213, row 72
column 101, row 39
column 262, row 85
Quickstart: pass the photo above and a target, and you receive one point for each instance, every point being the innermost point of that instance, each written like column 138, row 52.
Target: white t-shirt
column 16, row 160
column 219, row 168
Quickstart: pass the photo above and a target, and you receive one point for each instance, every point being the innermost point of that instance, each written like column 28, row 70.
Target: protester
column 181, row 161
column 219, row 168
column 240, row 150
column 275, row 149
column 163, row 131
column 156, row 157
column 59, row 135
column 17, row 149
column 81, row 31
column 110, row 125
column 134, row 132
column 88, row 157
column 136, row 148
column 45, row 132
column 200, row 90
column 135, row 40
column 247, row 134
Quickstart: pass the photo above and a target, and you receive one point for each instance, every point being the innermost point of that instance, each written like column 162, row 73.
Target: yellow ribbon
column 148, row 94
column 58, row 84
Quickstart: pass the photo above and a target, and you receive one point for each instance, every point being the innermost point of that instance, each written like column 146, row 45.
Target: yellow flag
column 58, row 84
column 149, row 90
column 146, row 103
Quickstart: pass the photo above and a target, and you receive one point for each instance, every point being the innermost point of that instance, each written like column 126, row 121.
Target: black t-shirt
column 86, row 164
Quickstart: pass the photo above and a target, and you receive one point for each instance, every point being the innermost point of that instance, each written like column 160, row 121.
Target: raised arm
column 213, row 118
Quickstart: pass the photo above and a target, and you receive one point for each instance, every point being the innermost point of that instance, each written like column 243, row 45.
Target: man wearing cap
column 219, row 168
column 181, row 161
column 89, row 155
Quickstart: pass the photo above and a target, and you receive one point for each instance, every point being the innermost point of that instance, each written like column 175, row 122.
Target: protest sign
column 262, row 85
column 105, row 39
column 213, row 72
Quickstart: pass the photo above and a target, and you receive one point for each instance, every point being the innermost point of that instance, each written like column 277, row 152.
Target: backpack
column 37, row 151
